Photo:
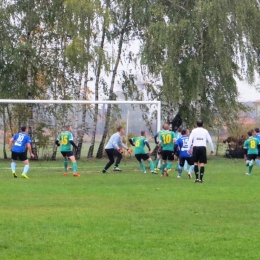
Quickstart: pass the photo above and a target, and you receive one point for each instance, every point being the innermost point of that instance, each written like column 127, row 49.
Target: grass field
column 129, row 215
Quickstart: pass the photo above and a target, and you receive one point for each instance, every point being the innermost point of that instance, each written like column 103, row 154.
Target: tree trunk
column 5, row 132
column 111, row 90
column 95, row 119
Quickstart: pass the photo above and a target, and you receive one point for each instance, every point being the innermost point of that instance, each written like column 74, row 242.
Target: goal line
column 50, row 101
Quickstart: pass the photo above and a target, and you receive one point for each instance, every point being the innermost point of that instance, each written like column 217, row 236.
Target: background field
column 129, row 215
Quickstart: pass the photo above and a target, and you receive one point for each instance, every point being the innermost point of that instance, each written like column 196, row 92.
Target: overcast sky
column 247, row 92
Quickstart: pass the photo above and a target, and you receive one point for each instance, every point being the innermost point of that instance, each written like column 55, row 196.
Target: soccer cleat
column 197, row 180
column 248, row 174
column 14, row 174
column 116, row 169
column 65, row 174
column 76, row 175
column 154, row 172
column 144, row 171
column 178, row 177
column 166, row 172
column 162, row 175
column 169, row 170
column 104, row 171
column 24, row 176
column 157, row 169
column 251, row 163
column 200, row 181
column 189, row 175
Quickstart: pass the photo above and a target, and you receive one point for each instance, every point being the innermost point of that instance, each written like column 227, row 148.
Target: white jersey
column 199, row 137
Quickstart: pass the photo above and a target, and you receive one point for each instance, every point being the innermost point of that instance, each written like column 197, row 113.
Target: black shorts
column 200, row 154
column 140, row 157
column 250, row 157
column 188, row 159
column 167, row 155
column 67, row 154
column 20, row 156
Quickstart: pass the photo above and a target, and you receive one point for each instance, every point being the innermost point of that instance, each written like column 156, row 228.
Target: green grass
column 129, row 215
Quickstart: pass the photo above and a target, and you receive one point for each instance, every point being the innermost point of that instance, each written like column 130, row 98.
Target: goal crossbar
column 112, row 102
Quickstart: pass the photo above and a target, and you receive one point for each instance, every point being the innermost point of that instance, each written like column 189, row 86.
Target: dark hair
column 180, row 129
column 142, row 133
column 23, row 128
column 199, row 123
column 250, row 132
column 119, row 128
column 183, row 132
column 257, row 130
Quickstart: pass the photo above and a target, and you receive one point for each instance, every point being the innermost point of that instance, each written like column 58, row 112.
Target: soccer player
column 140, row 154
column 198, row 139
column 112, row 149
column 184, row 157
column 65, row 141
column 18, row 145
column 167, row 140
column 159, row 152
column 251, row 146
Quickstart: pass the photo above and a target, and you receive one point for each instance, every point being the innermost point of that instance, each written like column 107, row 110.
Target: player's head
column 187, row 132
column 166, row 127
column 257, row 130
column 180, row 129
column 68, row 128
column 199, row 123
column 183, row 132
column 143, row 133
column 250, row 132
column 120, row 129
column 24, row 129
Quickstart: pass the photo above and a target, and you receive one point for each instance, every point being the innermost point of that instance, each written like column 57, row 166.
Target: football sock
column 185, row 166
column 250, row 169
column 13, row 166
column 75, row 167
column 151, row 166
column 156, row 162
column 202, row 169
column 169, row 165
column 65, row 165
column 159, row 165
column 163, row 167
column 26, row 169
column 191, row 169
column 179, row 170
column 247, row 163
column 196, row 170
column 142, row 166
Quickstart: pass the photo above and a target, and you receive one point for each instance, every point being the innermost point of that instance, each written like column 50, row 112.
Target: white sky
column 247, row 92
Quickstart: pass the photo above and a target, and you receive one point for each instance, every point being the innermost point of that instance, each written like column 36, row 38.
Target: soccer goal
column 47, row 118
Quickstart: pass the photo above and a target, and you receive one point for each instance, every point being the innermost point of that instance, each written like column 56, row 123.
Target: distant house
column 251, row 117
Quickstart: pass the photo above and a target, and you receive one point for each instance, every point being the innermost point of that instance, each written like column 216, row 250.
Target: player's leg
column 151, row 164
column 13, row 164
column 189, row 162
column 250, row 162
column 196, row 161
column 164, row 160
column 119, row 157
column 111, row 159
column 139, row 159
column 74, row 164
column 180, row 166
column 203, row 161
column 23, row 157
column 158, row 161
column 170, row 160
column 65, row 163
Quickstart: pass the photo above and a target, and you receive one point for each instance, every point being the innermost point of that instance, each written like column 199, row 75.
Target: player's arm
column 209, row 139
column 155, row 139
column 29, row 148
column 73, row 144
column 131, row 141
column 148, row 146
column 57, row 142
column 118, row 141
column 11, row 142
column 190, row 142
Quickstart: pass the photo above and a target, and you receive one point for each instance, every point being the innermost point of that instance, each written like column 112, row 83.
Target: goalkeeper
column 113, row 149
column 65, row 140
column 140, row 154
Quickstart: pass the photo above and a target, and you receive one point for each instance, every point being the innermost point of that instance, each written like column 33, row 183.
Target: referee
column 112, row 149
column 198, row 140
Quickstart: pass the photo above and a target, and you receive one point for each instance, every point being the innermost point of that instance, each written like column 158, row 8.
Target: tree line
column 189, row 55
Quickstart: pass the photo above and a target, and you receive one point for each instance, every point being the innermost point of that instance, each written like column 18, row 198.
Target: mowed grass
column 129, row 215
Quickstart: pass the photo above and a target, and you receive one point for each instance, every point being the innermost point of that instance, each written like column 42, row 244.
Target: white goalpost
column 50, row 101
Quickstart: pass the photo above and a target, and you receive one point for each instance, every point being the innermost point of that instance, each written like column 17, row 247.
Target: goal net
column 91, row 121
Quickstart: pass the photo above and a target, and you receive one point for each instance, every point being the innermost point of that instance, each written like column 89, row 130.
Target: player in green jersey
column 166, row 143
column 159, row 152
column 140, row 154
column 65, row 140
column 251, row 146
